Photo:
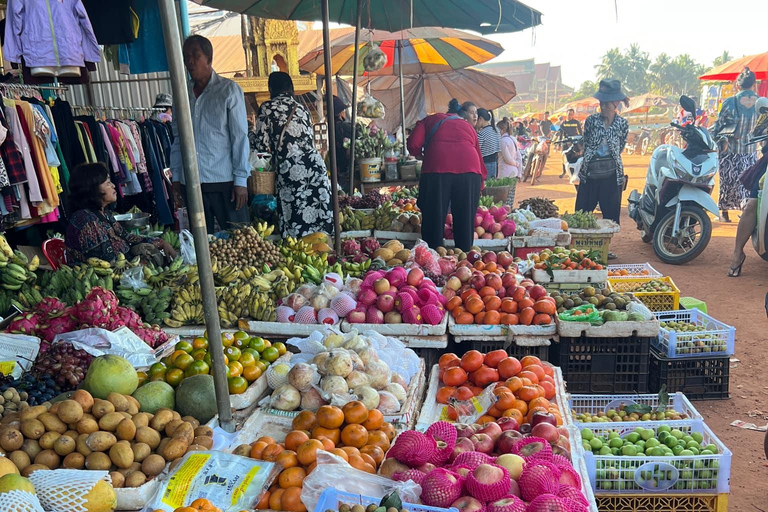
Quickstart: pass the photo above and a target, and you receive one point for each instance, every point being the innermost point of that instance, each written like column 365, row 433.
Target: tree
column 636, row 78
column 586, row 89
column 722, row 59
column 612, row 65
column 659, row 74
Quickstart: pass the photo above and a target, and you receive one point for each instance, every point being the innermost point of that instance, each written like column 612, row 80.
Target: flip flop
column 736, row 271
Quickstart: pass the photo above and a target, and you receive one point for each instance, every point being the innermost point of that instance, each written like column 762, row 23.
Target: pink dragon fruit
column 50, row 307
column 97, row 308
column 57, row 325
column 128, row 317
column 369, row 246
column 350, row 247
column 431, row 314
column 508, row 227
column 30, row 324
column 547, row 503
column 151, row 335
column 342, row 304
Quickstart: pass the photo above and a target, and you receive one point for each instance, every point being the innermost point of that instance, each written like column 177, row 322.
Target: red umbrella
column 729, row 71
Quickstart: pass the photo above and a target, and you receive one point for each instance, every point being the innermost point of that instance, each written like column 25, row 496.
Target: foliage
column 500, row 182
column 371, row 143
column 585, row 90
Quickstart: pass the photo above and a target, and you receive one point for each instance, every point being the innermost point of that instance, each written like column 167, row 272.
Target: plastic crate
column 656, row 301
column 593, row 404
column 718, row 338
column 605, row 365
column 700, row 378
column 518, row 351
column 692, row 474
column 633, row 270
column 662, row 502
column 332, row 498
column 592, row 242
column 523, row 252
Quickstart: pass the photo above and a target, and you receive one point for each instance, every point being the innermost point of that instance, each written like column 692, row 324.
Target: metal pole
column 402, row 94
column 183, row 115
column 331, row 125
column 184, row 15
column 355, row 71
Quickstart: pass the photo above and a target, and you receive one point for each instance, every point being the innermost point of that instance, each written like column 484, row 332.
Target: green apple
column 629, row 450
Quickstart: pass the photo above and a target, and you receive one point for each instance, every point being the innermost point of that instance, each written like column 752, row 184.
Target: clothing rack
column 30, row 87
column 115, row 111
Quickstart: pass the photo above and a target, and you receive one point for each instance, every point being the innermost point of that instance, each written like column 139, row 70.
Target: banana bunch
column 264, row 229
column 185, row 314
column 174, row 274
column 226, row 275
column 383, row 216
column 355, row 269
column 261, row 307
column 121, row 264
column 292, row 246
column 5, row 248
column 72, row 284
column 154, row 307
column 100, row 267
column 9, row 300
column 16, row 269
column 29, row 297
column 355, row 220
column 172, row 238
column 132, row 298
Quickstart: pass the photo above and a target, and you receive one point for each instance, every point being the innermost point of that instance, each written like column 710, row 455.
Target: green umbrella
column 484, row 16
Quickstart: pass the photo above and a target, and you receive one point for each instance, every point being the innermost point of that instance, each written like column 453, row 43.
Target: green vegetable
column 580, row 220
column 500, row 182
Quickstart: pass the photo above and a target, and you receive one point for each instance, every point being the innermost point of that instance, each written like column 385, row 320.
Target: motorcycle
column 672, row 211
column 760, row 235
column 573, row 158
column 640, row 142
column 537, row 159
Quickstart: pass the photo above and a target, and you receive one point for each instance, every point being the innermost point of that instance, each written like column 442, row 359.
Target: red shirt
column 453, row 149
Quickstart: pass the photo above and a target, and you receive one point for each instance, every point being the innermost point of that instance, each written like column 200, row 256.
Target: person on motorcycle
column 570, row 127
column 605, row 135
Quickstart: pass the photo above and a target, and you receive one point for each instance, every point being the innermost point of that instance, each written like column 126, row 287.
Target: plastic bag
column 183, row 216
column 134, row 278
column 65, row 490
column 641, row 309
column 230, row 482
column 425, row 257
column 333, row 471
column 122, row 342
column 187, row 242
column 584, row 313
column 370, row 107
column 375, row 59
column 259, row 161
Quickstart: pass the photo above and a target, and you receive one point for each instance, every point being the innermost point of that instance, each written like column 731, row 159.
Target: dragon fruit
column 547, row 503
column 151, row 335
column 30, row 324
column 57, row 325
column 342, row 304
column 350, row 247
column 128, row 317
column 50, row 307
column 97, row 308
column 369, row 246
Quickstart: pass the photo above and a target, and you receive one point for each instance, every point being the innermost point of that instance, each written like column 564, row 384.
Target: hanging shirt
column 22, row 145
column 220, row 125
column 112, row 20
column 11, row 155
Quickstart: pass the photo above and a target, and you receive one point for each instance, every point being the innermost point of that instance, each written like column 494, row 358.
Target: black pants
column 606, row 192
column 440, row 191
column 218, row 206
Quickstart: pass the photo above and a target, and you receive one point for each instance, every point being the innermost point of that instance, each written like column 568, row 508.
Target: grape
column 62, row 367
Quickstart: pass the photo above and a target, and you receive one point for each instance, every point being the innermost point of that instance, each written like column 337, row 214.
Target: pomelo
column 155, row 395
column 110, row 373
column 15, row 482
column 7, row 467
column 196, row 397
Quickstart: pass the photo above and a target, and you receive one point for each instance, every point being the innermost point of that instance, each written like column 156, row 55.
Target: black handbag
column 601, row 168
column 728, row 129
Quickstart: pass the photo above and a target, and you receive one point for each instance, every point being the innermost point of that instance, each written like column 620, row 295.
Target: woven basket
column 499, row 194
column 262, row 182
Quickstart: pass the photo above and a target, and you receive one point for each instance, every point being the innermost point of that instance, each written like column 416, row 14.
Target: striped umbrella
column 729, row 71
column 425, row 50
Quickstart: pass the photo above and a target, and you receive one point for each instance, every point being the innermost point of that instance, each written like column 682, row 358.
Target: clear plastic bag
column 230, row 482
column 134, row 278
column 375, row 59
column 640, row 308
column 371, row 108
column 122, row 342
column 187, row 242
column 333, row 471
column 425, row 257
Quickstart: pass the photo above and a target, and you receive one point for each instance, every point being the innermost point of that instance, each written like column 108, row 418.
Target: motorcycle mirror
column 688, row 104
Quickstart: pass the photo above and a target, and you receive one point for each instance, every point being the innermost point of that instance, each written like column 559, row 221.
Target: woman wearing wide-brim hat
column 605, row 135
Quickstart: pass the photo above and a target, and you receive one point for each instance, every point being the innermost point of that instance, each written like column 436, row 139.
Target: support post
column 183, row 114
column 355, row 72
column 184, row 15
column 331, row 125
column 402, row 95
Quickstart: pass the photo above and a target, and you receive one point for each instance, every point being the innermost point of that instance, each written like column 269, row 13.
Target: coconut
column 285, row 398
column 397, row 390
column 367, row 395
column 379, row 373
column 334, row 385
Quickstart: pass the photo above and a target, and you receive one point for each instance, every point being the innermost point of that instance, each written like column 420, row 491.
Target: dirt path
column 738, row 302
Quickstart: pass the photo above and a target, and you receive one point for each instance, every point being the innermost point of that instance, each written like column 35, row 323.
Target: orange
column 539, row 402
column 235, row 368
column 378, row 438
column 274, row 500
column 267, row 439
column 514, row 413
column 251, row 373
column 264, row 501
column 528, row 393
column 375, row 452
column 375, row 420
column 549, row 389
column 237, row 385
column 328, row 445
column 482, row 420
column 521, row 406
column 330, row 416
column 306, row 420
column 339, row 452
column 351, row 450
column 389, row 429
column 354, row 435
column 271, row 452
column 287, row 459
column 291, row 477
column 334, row 434
column 174, row 376
column 257, row 449
column 355, row 412
column 294, row 439
column 307, row 452
column 357, row 462
column 505, row 400
column 514, row 383
column 368, row 459
column 525, row 374
column 291, row 500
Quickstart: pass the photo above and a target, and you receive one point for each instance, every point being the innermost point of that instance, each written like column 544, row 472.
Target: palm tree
column 613, row 65
column 659, row 72
column 636, row 77
column 722, row 59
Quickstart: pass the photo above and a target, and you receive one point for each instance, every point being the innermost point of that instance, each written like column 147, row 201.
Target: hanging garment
column 49, row 33
column 11, row 155
column 147, row 53
column 155, row 169
column 112, row 20
column 65, row 128
column 22, row 145
column 44, row 177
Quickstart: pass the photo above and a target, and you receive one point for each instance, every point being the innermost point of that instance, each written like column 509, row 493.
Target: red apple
column 464, row 263
column 483, row 443
column 489, row 257
column 426, row 467
column 477, row 282
column 511, row 290
column 381, row 286
column 508, row 423
column 543, row 417
column 473, row 256
column 493, row 280
column 508, row 279
column 463, row 444
column 464, row 430
column 492, row 429
column 463, row 272
column 537, row 292
column 546, row 431
column 453, row 283
column 507, row 440
column 559, row 450
column 448, row 293
column 505, row 259
column 467, row 504
column 385, row 303
column 527, row 283
column 501, row 292
column 415, row 276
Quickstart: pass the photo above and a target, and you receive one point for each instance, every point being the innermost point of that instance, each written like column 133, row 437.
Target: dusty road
column 738, row 302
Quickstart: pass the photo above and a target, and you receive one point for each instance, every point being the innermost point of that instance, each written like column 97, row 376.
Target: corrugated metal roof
column 228, row 55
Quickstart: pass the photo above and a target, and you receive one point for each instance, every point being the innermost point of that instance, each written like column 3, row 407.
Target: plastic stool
column 691, row 302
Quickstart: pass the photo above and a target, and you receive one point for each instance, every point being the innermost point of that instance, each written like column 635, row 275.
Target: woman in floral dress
column 303, row 188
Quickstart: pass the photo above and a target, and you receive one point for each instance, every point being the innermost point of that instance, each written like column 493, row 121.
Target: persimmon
column 328, row 445
column 545, row 306
column 453, row 303
column 485, row 376
column 549, row 389
column 529, row 360
column 287, row 459
column 291, row 500
column 513, row 319
column 525, row 302
column 291, row 477
column 375, row 419
column 451, row 413
column 526, row 316
column 541, row 319
column 486, row 290
column 330, row 416
column 294, row 439
column 334, row 434
column 465, row 318
column 505, row 400
column 376, row 452
column 354, row 435
column 522, row 406
column 491, row 266
column 307, row 452
column 389, row 429
column 518, row 294
column 471, row 361
column 446, row 358
column 509, row 367
column 306, row 420
column 275, row 500
column 444, row 394
column 505, row 318
column 480, row 318
column 482, row 420
column 537, row 369
column 350, row 450
column 476, row 390
column 528, row 393
column 513, row 383
column 463, row 393
column 266, row 439
column 547, row 378
column 367, row 458
column 494, row 411
column 257, row 449
column 474, row 305
column 339, row 452
column 508, row 305
column 492, row 303
column 466, row 294
column 548, row 369
column 541, row 390
column 455, row 376
column 271, row 452
column 263, row 503
column 539, row 402
column 492, row 318
column 525, row 374
column 479, row 265
column 378, row 438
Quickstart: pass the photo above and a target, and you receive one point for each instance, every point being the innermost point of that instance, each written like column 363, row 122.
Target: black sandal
column 736, row 272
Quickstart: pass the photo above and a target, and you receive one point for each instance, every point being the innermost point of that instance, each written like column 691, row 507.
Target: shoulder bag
column 729, row 129
column 275, row 163
column 434, row 130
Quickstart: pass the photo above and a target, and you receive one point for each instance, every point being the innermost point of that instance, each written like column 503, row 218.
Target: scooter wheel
column 695, row 230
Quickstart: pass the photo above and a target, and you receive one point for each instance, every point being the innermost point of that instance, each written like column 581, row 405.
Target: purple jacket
column 49, row 33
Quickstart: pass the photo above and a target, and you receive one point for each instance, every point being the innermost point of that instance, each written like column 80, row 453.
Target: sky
column 577, row 34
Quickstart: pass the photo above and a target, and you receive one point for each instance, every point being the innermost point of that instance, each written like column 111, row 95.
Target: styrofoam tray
column 363, row 233
column 603, row 226
column 136, row 498
column 260, row 328
column 399, row 329
column 541, row 239
column 649, row 328
column 500, row 330
column 570, row 276
column 501, row 244
column 396, row 235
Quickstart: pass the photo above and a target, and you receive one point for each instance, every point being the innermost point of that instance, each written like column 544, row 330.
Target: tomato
column 237, row 385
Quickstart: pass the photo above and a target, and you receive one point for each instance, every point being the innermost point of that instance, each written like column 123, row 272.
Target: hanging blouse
column 47, row 187
column 11, row 155
column 22, row 144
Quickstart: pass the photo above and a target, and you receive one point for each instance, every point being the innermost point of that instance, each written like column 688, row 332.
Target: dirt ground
column 738, row 302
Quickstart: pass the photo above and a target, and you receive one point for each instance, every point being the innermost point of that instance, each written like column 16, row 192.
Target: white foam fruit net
column 20, row 501
column 65, row 490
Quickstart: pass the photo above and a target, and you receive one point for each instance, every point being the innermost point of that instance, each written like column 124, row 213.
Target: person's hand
column 178, row 198
column 167, row 249
column 239, row 196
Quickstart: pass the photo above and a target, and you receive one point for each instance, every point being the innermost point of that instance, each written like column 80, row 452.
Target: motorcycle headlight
column 680, row 172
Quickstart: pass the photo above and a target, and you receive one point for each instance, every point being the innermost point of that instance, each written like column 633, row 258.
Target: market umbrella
column 424, row 50
column 729, row 71
column 427, row 94
column 645, row 102
column 483, row 16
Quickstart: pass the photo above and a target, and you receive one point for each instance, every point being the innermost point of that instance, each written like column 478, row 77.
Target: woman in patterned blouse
column 93, row 230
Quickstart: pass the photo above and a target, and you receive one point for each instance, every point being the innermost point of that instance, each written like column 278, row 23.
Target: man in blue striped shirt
column 220, row 124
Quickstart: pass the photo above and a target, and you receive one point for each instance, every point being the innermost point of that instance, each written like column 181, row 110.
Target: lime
column 677, row 433
column 157, row 369
column 595, row 443
column 697, row 437
column 174, row 376
column 232, row 353
column 197, row 368
column 616, row 442
column 237, row 385
column 270, row 354
column 185, row 346
column 280, row 346
column 605, row 450
column 142, row 377
column 629, row 450
column 257, row 344
column 241, row 335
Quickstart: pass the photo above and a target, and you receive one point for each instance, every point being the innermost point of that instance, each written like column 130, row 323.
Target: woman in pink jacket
column 511, row 161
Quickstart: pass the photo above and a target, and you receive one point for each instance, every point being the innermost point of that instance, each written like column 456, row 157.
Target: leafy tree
column 613, row 65
column 636, row 77
column 722, row 59
column 585, row 90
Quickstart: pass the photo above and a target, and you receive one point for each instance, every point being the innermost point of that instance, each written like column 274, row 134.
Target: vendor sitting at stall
column 93, row 231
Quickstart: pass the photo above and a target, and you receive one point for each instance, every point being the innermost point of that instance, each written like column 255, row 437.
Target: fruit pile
column 688, row 342
column 561, row 258
column 199, row 505
column 580, row 220
column 490, row 223
column 623, row 272
column 662, row 441
column 245, row 247
column 389, row 503
column 349, row 365
column 631, row 412
column 484, row 297
column 355, row 220
column 63, row 363
column 542, row 207
column 483, row 467
column 323, row 304
column 398, row 296
column 602, row 299
column 246, row 358
column 370, row 200
column 35, row 390
column 12, row 400
column 84, row 432
column 652, row 286
column 354, row 433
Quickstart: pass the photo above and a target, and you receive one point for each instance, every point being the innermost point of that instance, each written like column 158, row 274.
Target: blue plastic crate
column 717, row 338
column 332, row 498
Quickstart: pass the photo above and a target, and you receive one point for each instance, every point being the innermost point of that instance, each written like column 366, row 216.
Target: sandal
column 736, row 271
column 611, row 256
